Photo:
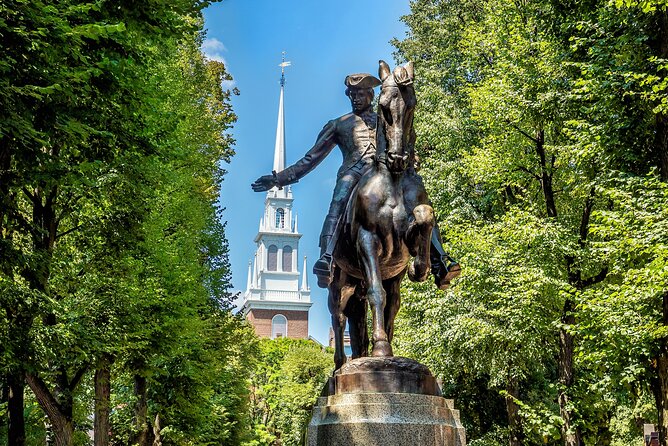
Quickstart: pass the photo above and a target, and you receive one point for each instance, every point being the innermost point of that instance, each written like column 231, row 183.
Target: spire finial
column 283, row 64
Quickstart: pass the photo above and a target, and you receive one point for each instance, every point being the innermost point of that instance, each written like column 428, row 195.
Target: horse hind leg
column 368, row 247
column 393, row 292
column 336, row 304
column 418, row 239
column 359, row 337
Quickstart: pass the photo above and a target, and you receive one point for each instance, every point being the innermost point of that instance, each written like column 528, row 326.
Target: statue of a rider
column 355, row 134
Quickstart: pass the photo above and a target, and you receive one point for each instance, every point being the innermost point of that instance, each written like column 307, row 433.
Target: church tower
column 275, row 302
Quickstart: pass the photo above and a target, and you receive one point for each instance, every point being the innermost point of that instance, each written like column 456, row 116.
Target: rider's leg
column 443, row 267
column 322, row 268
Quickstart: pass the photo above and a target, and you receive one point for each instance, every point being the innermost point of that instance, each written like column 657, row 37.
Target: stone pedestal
column 384, row 401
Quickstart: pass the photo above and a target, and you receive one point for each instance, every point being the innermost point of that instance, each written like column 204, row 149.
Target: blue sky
column 325, row 41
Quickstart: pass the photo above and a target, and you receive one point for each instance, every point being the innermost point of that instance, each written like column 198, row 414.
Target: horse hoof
column 339, row 363
column 381, row 348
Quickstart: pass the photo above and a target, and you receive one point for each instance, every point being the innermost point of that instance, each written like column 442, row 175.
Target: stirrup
column 444, row 269
column 322, row 268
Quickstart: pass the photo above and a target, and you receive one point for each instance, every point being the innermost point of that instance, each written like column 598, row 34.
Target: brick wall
column 297, row 322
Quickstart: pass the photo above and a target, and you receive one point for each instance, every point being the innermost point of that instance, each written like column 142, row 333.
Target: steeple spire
column 279, row 148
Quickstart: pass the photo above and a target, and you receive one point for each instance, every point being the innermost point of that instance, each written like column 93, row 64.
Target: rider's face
column 360, row 99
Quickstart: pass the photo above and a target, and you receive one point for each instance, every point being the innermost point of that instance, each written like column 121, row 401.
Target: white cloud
column 213, row 49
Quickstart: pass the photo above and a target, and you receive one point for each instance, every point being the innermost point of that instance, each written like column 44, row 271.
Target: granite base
column 384, row 401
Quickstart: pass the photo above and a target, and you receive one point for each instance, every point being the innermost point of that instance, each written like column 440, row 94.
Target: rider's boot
column 322, row 268
column 443, row 267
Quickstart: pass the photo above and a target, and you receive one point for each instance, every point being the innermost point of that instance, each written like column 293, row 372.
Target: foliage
column 538, row 128
column 112, row 244
column 289, row 376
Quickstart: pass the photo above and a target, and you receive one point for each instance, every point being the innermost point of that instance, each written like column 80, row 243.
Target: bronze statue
column 379, row 215
column 355, row 134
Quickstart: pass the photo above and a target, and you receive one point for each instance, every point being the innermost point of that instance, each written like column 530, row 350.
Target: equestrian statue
column 380, row 216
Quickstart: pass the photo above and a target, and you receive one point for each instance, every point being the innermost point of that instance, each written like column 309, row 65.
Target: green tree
column 528, row 112
column 288, row 377
column 112, row 247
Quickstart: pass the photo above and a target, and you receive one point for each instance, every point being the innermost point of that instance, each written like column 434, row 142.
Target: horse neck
column 381, row 139
column 382, row 144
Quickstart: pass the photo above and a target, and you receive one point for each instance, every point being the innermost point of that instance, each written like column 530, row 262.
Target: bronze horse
column 388, row 220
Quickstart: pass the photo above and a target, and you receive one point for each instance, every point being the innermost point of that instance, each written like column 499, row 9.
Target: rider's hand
column 265, row 182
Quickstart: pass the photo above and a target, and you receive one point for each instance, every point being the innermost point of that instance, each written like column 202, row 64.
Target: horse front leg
column 368, row 247
column 418, row 240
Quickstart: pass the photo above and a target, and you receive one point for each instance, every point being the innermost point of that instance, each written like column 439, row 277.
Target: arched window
column 287, row 258
column 272, row 258
column 279, row 327
column 280, row 218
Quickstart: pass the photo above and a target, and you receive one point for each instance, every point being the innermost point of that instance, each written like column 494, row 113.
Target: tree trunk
column 603, row 432
column 659, row 381
column 545, row 175
column 141, row 411
column 661, row 144
column 4, row 398
column 661, row 395
column 156, row 431
column 102, row 396
column 515, row 433
column 569, row 433
column 60, row 415
column 16, row 434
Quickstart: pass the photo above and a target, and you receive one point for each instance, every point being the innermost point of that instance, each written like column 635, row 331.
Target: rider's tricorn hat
column 362, row 80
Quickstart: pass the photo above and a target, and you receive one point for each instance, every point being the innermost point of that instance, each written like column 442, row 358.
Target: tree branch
column 78, row 376
column 36, row 201
column 24, row 223
column 44, row 396
column 598, row 278
column 586, row 214
column 63, row 234
column 521, row 131
column 524, row 169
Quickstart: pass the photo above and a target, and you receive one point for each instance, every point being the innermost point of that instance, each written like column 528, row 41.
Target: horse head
column 396, row 106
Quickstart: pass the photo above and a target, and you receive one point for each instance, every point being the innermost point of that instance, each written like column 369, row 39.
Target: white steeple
column 275, row 274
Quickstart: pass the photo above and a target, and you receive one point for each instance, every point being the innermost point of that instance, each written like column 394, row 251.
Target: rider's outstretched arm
column 324, row 144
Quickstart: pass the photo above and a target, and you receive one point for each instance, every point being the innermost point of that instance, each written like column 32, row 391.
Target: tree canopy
column 542, row 140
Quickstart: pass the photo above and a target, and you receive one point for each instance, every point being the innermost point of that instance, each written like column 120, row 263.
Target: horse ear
column 383, row 70
column 410, row 70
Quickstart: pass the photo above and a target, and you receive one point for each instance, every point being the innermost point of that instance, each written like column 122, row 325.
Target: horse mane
column 381, row 140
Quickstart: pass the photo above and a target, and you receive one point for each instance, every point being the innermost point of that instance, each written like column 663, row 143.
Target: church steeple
column 273, row 287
